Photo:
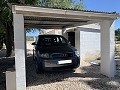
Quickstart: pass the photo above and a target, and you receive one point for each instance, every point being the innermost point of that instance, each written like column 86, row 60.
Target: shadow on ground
column 5, row 63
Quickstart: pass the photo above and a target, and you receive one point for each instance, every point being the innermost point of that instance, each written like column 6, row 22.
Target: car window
column 62, row 40
column 51, row 40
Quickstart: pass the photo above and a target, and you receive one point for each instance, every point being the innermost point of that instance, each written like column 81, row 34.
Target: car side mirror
column 34, row 43
column 69, row 42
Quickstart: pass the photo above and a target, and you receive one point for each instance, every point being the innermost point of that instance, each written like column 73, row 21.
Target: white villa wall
column 53, row 31
column 89, row 43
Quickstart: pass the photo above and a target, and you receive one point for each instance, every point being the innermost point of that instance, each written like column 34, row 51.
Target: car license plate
column 64, row 61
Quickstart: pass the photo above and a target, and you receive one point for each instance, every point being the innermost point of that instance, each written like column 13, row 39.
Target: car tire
column 39, row 69
column 33, row 55
column 77, row 64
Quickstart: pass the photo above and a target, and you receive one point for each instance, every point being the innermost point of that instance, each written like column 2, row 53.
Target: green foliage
column 117, row 38
column 6, row 14
column 6, row 19
column 117, row 34
column 62, row 4
column 56, row 3
column 1, row 28
column 30, row 38
column 78, row 5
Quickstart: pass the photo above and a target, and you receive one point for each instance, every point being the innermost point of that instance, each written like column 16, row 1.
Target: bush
column 117, row 38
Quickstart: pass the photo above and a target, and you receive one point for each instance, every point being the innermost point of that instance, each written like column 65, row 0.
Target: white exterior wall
column 89, row 44
column 77, row 41
column 53, row 31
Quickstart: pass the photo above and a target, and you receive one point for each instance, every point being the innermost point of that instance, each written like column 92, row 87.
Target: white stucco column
column 77, row 40
column 64, row 33
column 107, row 48
column 20, row 54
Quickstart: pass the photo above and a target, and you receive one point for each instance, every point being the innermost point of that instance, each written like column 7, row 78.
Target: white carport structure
column 50, row 18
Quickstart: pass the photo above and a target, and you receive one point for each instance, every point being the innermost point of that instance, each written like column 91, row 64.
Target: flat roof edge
column 33, row 9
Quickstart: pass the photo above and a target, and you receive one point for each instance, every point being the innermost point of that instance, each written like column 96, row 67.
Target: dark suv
column 54, row 52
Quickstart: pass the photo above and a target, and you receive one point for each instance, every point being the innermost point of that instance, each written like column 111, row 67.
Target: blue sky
column 98, row 5
column 104, row 5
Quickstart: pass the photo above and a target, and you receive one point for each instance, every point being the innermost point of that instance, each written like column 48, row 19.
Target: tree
column 117, row 34
column 62, row 4
column 56, row 3
column 78, row 5
column 6, row 22
column 1, row 36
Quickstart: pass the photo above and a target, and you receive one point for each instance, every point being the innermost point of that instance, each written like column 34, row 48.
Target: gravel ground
column 86, row 77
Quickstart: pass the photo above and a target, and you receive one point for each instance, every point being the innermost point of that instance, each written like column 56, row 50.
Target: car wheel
column 77, row 64
column 33, row 55
column 39, row 69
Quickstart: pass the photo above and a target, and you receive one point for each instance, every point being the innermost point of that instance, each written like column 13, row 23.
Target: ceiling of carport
column 48, row 22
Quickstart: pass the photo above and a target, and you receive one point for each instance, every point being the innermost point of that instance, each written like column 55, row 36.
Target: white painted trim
column 20, row 51
column 30, row 11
